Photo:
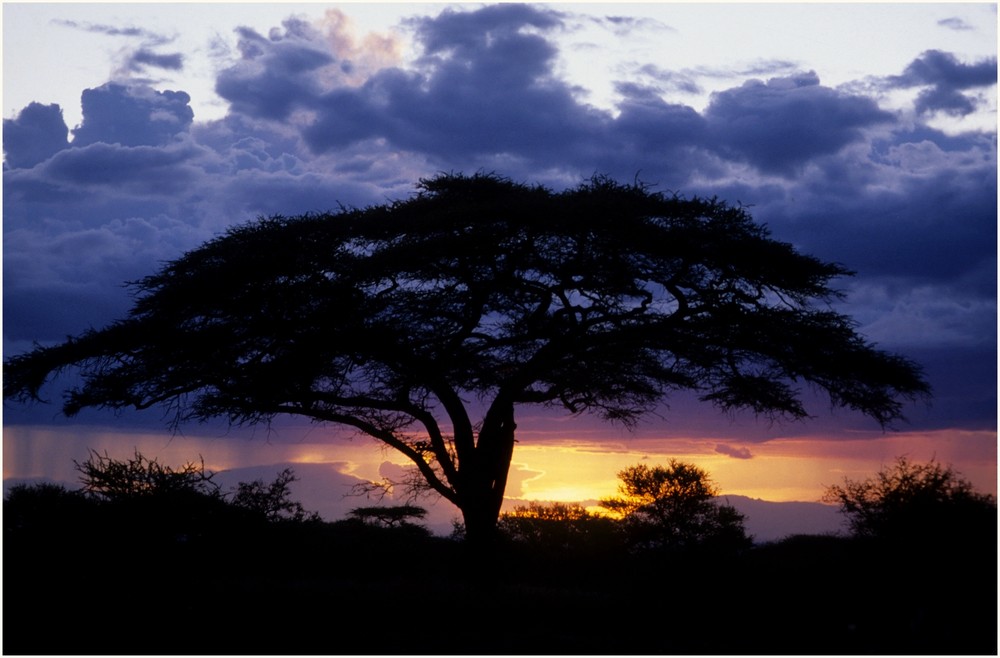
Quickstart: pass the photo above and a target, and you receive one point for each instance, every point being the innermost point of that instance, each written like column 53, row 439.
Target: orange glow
column 544, row 468
column 781, row 470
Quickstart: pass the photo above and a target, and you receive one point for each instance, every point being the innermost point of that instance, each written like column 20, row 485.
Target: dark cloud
column 153, row 170
column 34, row 135
column 645, row 121
column 463, row 33
column 934, row 67
column 946, row 78
column 142, row 58
column 781, row 124
column 484, row 88
column 918, row 205
column 132, row 116
column 275, row 74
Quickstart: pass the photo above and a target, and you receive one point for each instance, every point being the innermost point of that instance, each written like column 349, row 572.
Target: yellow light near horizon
column 547, row 468
column 781, row 470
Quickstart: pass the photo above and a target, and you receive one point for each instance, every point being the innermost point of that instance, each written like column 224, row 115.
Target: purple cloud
column 781, row 124
column 484, row 88
column 132, row 116
column 954, row 23
column 315, row 120
column 946, row 78
column 34, row 135
column 275, row 73
column 144, row 57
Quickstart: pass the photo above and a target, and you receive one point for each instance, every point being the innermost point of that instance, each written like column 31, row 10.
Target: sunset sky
column 863, row 134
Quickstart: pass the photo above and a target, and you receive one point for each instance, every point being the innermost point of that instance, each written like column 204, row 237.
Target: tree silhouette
column 112, row 479
column 271, row 500
column 914, row 503
column 393, row 516
column 673, row 507
column 424, row 323
column 557, row 526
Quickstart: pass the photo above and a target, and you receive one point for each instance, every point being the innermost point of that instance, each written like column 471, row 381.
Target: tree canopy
column 674, row 507
column 424, row 323
column 916, row 502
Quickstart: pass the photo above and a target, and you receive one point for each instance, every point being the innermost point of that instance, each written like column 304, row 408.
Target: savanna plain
column 188, row 573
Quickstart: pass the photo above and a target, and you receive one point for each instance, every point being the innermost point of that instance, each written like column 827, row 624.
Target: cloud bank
column 319, row 116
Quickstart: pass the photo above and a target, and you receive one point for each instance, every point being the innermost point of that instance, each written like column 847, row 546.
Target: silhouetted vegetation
column 138, row 476
column 394, row 516
column 272, row 500
column 559, row 528
column 83, row 576
column 918, row 503
column 672, row 507
column 604, row 298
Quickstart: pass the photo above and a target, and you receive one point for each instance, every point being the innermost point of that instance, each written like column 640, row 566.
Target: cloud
column 34, row 135
column 132, row 116
column 293, row 67
column 946, row 78
column 138, row 169
column 483, row 89
column 733, row 451
column 60, row 280
column 111, row 30
column 144, row 57
column 320, row 115
column 463, row 33
column 912, row 204
column 954, row 23
column 779, row 125
column 274, row 75
column 624, row 26
column 645, row 121
column 670, row 80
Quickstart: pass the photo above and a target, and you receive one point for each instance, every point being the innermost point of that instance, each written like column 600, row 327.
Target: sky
column 864, row 134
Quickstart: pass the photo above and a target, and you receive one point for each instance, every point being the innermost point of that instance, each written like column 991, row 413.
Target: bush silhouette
column 558, row 527
column 271, row 501
column 138, row 476
column 925, row 503
column 672, row 507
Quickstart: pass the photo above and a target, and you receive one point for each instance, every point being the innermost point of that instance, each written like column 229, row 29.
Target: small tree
column 556, row 526
column 674, row 507
column 394, row 516
column 272, row 501
column 909, row 501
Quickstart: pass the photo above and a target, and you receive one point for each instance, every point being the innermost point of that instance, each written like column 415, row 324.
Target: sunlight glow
column 545, row 467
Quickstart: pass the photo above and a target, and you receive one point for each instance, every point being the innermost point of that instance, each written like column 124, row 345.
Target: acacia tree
column 673, row 507
column 424, row 323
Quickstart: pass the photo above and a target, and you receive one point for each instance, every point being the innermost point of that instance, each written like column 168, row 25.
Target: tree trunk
column 486, row 481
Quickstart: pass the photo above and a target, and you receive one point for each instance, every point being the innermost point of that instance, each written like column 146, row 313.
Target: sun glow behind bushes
column 550, row 468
